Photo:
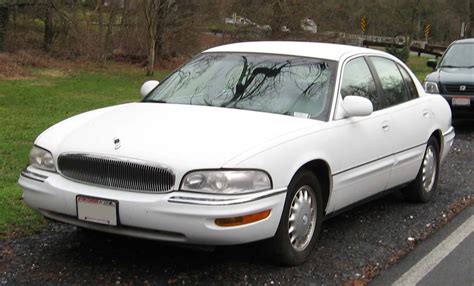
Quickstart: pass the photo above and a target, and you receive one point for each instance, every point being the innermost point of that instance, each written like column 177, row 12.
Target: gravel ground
column 353, row 248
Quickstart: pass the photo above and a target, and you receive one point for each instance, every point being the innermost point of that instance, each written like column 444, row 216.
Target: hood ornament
column 117, row 143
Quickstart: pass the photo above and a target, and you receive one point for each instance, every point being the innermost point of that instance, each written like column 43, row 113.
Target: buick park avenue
column 246, row 142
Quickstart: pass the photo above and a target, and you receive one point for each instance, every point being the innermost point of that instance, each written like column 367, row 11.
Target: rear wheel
column 300, row 222
column 424, row 187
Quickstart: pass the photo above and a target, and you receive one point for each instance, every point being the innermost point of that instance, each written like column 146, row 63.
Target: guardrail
column 434, row 50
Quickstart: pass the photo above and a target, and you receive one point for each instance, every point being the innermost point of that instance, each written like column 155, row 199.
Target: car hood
column 452, row 76
column 178, row 136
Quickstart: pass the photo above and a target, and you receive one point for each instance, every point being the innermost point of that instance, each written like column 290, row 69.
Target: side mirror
column 357, row 106
column 148, row 86
column 431, row 63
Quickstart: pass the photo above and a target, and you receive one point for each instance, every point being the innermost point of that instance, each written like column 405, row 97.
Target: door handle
column 385, row 126
column 426, row 113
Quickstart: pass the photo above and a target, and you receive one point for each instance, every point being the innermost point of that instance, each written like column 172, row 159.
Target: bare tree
column 156, row 14
column 106, row 21
column 48, row 26
column 4, row 15
column 470, row 6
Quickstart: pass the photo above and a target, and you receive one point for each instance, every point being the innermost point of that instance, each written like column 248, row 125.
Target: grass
column 29, row 106
column 419, row 67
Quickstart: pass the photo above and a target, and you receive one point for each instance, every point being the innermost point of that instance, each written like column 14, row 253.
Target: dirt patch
column 19, row 65
column 52, row 72
column 6, row 254
column 26, row 64
column 10, row 68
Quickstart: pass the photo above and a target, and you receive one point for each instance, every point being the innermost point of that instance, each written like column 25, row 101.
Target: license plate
column 97, row 210
column 461, row 101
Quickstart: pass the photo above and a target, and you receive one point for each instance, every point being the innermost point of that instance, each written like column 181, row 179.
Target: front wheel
column 424, row 187
column 300, row 222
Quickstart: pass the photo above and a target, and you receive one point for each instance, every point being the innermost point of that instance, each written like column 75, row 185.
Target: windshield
column 459, row 55
column 269, row 83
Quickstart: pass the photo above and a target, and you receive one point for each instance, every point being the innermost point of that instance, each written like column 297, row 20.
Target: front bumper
column 175, row 216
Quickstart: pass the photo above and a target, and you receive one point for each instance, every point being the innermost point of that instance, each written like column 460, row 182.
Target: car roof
column 304, row 49
column 465, row 41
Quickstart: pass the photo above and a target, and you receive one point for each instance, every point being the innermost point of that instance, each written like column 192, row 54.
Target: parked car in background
column 246, row 142
column 453, row 78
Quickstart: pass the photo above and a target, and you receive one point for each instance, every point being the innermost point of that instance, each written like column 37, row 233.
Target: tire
column 425, row 186
column 292, row 247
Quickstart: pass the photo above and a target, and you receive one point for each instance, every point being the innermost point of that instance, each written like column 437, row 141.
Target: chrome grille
column 456, row 89
column 116, row 173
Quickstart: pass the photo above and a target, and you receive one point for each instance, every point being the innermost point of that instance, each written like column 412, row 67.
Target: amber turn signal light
column 240, row 220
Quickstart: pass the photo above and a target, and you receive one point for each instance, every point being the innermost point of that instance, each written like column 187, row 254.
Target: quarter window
column 357, row 80
column 409, row 82
column 391, row 80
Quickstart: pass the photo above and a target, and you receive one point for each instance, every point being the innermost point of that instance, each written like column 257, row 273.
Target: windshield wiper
column 157, row 101
column 459, row 67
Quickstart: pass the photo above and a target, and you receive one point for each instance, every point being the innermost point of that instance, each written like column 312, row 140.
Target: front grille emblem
column 462, row 88
column 117, row 143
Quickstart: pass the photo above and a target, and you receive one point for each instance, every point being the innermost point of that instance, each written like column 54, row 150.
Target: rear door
column 410, row 119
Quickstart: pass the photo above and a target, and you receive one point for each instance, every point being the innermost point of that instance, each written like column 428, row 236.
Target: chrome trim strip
column 218, row 200
column 33, row 176
column 449, row 131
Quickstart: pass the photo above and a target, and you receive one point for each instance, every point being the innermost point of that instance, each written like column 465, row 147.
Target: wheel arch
column 321, row 169
column 438, row 135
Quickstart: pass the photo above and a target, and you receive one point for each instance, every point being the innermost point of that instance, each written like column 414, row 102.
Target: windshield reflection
column 269, row 83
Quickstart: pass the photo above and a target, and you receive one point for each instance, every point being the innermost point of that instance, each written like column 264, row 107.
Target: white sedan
column 246, row 142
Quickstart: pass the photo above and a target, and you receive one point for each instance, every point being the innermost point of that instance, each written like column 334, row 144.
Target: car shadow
column 125, row 251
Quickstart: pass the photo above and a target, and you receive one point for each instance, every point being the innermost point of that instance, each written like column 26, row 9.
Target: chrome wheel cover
column 429, row 169
column 302, row 218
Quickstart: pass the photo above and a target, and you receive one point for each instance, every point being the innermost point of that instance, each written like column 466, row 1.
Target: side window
column 357, row 80
column 409, row 82
column 391, row 79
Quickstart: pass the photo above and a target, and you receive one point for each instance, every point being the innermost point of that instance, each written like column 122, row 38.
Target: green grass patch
column 29, row 106
column 419, row 67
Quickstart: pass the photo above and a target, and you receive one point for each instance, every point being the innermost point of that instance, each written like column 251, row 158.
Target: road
column 446, row 258
column 353, row 248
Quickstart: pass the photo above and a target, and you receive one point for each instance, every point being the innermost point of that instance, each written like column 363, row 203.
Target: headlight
column 431, row 87
column 226, row 181
column 42, row 159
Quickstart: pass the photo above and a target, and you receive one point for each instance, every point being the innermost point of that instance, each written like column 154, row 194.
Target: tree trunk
column 100, row 19
column 3, row 26
column 48, row 29
column 277, row 19
column 470, row 32
column 108, row 33
column 151, row 57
